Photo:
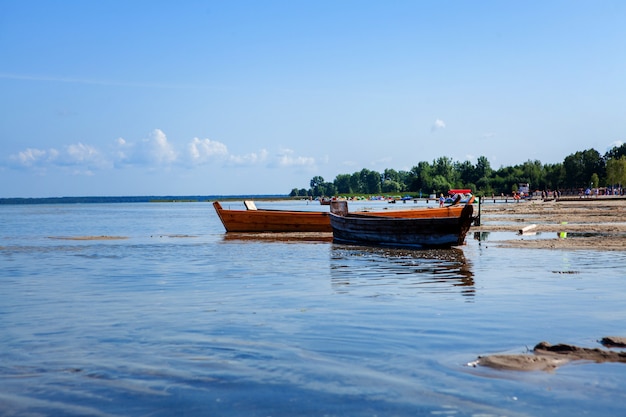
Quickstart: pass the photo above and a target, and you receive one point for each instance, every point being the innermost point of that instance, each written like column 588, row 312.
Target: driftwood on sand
column 547, row 357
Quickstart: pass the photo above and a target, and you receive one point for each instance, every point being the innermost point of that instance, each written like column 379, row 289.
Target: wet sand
column 547, row 357
column 582, row 224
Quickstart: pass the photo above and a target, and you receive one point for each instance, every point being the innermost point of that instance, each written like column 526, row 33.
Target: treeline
column 580, row 170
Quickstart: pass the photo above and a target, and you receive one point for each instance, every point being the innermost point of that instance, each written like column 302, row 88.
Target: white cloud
column 122, row 150
column 286, row 158
column 248, row 159
column 75, row 155
column 386, row 160
column 84, row 158
column 152, row 152
column 202, row 150
column 82, row 153
column 83, row 172
column 438, row 124
column 32, row 156
column 158, row 148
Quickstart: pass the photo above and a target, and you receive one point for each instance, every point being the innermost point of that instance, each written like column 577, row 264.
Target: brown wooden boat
column 253, row 220
column 415, row 232
column 264, row 220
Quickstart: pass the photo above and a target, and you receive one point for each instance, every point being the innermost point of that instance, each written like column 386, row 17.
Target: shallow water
column 178, row 318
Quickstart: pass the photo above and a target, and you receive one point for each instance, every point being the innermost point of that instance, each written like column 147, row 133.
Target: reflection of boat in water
column 393, row 270
column 286, row 237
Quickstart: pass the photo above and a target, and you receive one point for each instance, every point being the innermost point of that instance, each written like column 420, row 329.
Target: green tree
column 466, row 171
column 483, row 168
column 595, row 180
column 554, row 175
column 420, row 178
column 576, row 171
column 317, row 185
column 390, row 186
column 404, row 179
column 342, row 183
column 483, row 186
column 440, row 184
column 533, row 174
column 372, row 182
column 505, row 178
column 616, row 152
column 356, row 184
column 616, row 171
column 475, row 177
column 392, row 181
column 390, row 174
column 329, row 189
column 580, row 166
column 444, row 166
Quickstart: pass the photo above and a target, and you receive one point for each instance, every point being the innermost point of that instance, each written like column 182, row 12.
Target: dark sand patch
column 88, row 237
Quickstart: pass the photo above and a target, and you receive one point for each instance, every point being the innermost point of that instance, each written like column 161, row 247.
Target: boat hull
column 278, row 221
column 426, row 232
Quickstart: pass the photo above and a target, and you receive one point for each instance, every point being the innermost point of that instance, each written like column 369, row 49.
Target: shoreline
column 581, row 224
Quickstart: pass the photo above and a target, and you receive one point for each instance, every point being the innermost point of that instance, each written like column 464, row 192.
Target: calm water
column 178, row 319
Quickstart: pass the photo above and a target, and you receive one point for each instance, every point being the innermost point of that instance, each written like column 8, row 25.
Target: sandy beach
column 582, row 224
column 547, row 357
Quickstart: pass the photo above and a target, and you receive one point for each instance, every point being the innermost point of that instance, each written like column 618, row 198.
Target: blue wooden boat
column 420, row 232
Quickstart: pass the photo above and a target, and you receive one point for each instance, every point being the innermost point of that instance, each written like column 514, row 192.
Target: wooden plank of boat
column 421, row 232
column 263, row 220
column 430, row 212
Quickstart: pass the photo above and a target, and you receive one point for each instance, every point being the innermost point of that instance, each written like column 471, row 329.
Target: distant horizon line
column 132, row 199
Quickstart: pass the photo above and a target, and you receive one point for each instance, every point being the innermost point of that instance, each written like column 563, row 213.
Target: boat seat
column 249, row 205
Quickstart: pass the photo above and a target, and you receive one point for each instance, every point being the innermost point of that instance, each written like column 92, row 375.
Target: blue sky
column 257, row 97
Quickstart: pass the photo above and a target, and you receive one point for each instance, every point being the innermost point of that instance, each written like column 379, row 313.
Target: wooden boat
column 264, row 220
column 253, row 220
column 416, row 232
